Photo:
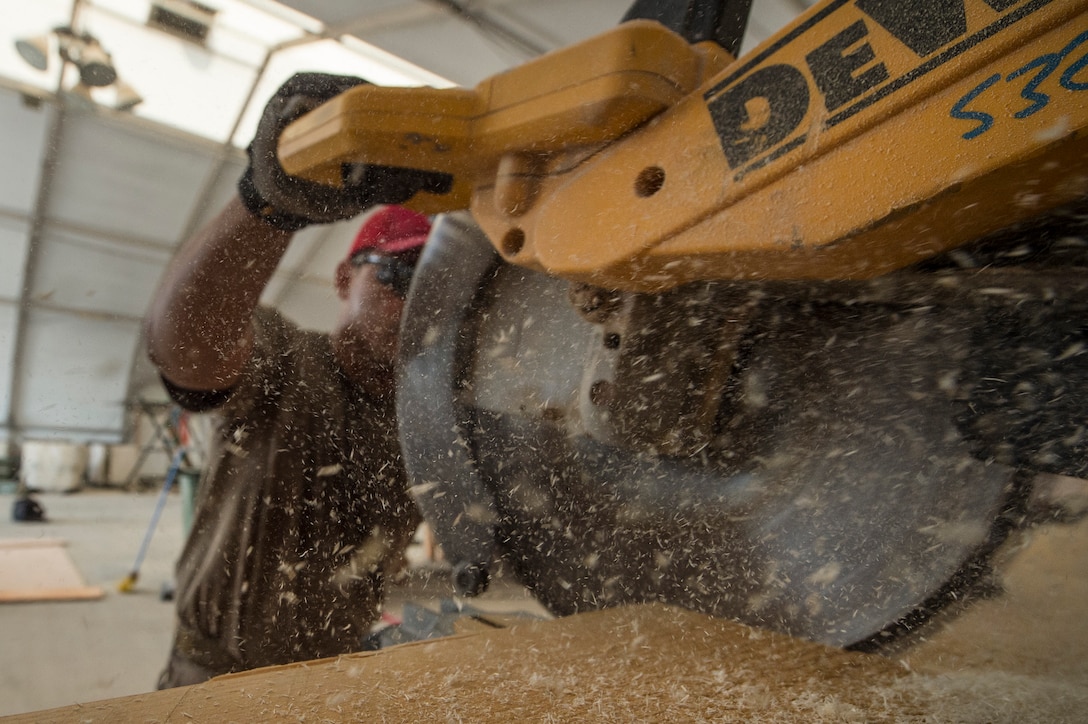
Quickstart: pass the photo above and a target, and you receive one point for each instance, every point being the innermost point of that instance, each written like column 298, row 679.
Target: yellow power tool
column 795, row 338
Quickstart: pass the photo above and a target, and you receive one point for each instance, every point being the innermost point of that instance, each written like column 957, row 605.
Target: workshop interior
column 769, row 311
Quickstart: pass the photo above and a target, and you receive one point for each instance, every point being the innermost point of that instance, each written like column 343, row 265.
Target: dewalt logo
column 848, row 57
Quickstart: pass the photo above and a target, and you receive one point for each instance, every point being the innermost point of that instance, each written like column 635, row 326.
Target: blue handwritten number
column 1049, row 63
column 1046, row 64
column 985, row 120
column 1067, row 77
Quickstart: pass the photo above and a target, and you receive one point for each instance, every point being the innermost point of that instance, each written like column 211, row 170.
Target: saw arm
column 846, row 146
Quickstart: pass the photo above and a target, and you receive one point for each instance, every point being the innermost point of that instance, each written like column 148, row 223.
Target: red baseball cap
column 391, row 230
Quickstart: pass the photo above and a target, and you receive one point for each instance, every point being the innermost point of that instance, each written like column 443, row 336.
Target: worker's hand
column 289, row 202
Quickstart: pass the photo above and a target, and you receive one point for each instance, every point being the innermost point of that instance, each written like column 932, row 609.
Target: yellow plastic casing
column 583, row 96
column 862, row 138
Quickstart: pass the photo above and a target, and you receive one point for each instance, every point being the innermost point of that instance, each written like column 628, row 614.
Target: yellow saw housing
column 862, row 138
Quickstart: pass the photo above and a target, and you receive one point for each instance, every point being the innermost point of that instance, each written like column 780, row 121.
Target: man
column 303, row 509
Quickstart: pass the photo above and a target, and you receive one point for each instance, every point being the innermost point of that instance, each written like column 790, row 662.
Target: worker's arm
column 199, row 333
column 198, row 326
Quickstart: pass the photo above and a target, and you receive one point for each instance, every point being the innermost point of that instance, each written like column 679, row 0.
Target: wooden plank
column 639, row 663
column 75, row 593
column 18, row 543
column 1020, row 656
column 39, row 569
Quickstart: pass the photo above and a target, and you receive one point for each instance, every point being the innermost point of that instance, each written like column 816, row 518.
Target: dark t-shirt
column 302, row 510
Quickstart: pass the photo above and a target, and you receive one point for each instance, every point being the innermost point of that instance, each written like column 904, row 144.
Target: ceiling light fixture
column 82, row 50
column 126, row 98
column 86, row 53
column 34, row 51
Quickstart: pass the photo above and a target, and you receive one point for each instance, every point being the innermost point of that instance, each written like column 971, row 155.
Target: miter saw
column 791, row 338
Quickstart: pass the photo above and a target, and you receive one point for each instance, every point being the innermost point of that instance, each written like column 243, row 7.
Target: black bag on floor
column 27, row 510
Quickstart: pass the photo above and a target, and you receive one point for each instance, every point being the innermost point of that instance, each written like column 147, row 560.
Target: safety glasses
column 392, row 272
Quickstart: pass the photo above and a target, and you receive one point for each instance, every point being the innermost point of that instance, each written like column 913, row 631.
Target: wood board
column 1021, row 656
column 40, row 569
column 632, row 664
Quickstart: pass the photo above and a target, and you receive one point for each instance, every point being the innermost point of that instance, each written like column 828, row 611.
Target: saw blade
column 837, row 501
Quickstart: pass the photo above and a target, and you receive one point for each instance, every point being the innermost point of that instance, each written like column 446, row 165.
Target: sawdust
column 643, row 663
column 635, row 664
column 1021, row 657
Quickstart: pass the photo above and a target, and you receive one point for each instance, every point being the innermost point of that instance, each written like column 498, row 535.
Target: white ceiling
column 93, row 201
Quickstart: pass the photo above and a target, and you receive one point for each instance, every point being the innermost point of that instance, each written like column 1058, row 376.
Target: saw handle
column 583, row 97
column 291, row 202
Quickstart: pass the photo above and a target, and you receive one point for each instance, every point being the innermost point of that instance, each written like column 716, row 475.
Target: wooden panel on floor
column 39, row 569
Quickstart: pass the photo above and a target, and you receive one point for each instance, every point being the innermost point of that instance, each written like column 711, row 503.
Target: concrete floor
column 56, row 654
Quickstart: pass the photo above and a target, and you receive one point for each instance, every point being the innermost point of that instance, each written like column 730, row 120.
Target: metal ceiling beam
column 423, row 10
column 407, row 14
column 488, row 25
column 87, row 314
column 86, row 230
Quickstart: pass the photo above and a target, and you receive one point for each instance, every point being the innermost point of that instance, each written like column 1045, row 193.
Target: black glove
column 291, row 203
